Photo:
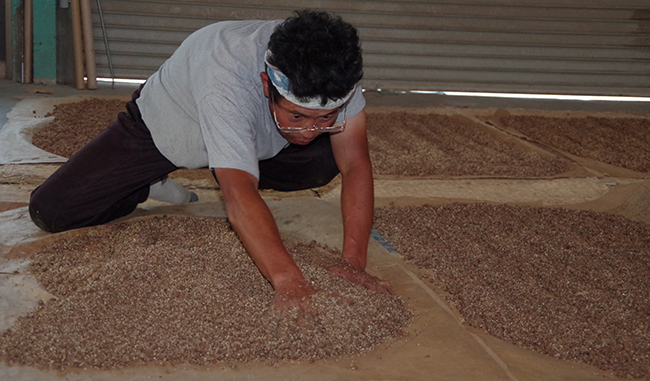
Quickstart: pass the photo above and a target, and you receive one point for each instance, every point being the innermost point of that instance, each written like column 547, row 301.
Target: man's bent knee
column 41, row 212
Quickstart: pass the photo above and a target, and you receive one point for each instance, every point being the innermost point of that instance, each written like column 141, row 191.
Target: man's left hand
column 362, row 278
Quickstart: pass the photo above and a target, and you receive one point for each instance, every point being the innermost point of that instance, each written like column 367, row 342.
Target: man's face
column 288, row 114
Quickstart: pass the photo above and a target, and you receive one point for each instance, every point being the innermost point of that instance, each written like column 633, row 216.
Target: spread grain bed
column 623, row 142
column 401, row 143
column 75, row 124
column 171, row 290
column 571, row 284
column 410, row 144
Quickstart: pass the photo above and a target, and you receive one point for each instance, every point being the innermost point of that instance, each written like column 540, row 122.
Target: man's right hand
column 295, row 293
column 255, row 225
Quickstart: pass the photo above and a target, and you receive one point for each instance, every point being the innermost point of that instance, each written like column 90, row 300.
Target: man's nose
column 309, row 134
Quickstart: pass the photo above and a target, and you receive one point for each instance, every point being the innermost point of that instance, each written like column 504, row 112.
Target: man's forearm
column 255, row 225
column 357, row 205
column 257, row 229
column 357, row 195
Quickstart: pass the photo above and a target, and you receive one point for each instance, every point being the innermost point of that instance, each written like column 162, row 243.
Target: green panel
column 44, row 41
column 16, row 34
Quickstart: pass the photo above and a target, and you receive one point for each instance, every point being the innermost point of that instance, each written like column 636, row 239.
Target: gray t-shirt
column 205, row 106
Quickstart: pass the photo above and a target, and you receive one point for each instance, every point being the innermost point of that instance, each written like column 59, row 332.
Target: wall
column 537, row 46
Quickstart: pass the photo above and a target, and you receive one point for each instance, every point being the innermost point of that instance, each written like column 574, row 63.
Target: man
column 264, row 105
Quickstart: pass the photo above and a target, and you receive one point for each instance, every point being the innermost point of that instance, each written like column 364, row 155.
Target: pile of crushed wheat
column 571, row 284
column 171, row 290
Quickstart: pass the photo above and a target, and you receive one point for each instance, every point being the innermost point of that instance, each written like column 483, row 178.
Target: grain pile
column 409, row 144
column 623, row 142
column 170, row 290
column 571, row 284
column 75, row 124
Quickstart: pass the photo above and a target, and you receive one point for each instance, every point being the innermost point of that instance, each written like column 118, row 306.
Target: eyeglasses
column 336, row 127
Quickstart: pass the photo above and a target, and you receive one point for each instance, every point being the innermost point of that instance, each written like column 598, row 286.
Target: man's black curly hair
column 319, row 53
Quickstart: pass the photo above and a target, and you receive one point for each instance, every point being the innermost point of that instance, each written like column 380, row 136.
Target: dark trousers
column 111, row 175
column 300, row 167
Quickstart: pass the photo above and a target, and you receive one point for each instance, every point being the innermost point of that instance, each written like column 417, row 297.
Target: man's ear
column 265, row 83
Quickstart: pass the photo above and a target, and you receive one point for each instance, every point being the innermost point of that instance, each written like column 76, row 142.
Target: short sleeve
column 355, row 105
column 229, row 135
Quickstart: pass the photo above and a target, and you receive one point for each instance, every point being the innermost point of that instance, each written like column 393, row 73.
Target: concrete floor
column 439, row 345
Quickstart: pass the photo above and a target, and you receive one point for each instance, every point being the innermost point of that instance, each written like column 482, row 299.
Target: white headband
column 281, row 83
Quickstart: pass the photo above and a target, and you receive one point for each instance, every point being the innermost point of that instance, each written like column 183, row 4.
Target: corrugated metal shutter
column 535, row 46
